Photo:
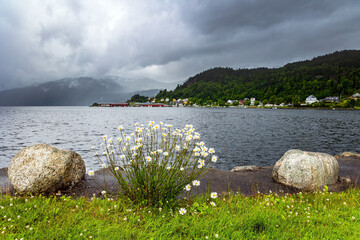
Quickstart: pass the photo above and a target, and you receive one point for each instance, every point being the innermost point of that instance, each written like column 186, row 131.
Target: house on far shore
column 114, row 105
column 252, row 101
column 330, row 99
column 311, row 99
column 355, row 96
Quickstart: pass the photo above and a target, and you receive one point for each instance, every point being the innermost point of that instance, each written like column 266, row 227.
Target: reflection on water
column 239, row 136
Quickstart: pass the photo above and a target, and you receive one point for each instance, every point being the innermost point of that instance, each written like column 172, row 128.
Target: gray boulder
column 306, row 170
column 43, row 168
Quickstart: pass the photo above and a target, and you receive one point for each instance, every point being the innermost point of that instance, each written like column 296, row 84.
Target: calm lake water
column 239, row 136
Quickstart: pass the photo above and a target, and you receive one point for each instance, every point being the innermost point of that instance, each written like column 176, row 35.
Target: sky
column 165, row 40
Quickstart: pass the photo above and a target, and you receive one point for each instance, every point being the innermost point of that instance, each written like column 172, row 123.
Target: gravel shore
column 220, row 181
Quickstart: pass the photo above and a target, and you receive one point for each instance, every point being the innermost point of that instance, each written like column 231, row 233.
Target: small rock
column 245, row 168
column 43, row 168
column 306, row 170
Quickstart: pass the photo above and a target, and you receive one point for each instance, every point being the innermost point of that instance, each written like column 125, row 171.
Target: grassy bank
column 310, row 216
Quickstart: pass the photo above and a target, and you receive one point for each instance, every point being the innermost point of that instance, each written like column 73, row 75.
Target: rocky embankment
column 248, row 180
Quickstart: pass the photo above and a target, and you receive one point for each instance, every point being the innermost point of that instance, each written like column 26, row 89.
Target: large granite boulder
column 306, row 170
column 43, row 168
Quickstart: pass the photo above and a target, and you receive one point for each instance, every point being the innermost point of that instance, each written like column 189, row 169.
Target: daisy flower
column 120, row 127
column 103, row 192
column 148, row 159
column 182, row 211
column 91, row 173
column 188, row 187
column 181, row 169
column 159, row 150
column 214, row 158
column 103, row 165
column 204, row 154
column 117, row 168
column 211, row 150
column 122, row 156
column 178, row 148
column 196, row 183
column 166, row 154
column 212, row 204
column 214, row 195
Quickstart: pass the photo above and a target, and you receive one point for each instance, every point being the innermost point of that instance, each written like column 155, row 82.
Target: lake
column 239, row 136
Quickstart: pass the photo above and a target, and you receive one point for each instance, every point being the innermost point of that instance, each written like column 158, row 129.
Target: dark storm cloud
column 166, row 40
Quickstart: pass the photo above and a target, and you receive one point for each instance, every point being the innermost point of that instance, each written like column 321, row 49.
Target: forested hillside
column 336, row 74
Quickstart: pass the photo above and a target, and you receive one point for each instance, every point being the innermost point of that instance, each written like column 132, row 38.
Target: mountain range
column 81, row 91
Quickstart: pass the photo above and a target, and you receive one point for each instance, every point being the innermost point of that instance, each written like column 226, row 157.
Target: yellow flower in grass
column 182, row 211
column 214, row 195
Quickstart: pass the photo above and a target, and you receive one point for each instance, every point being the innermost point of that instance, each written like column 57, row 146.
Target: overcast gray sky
column 165, row 40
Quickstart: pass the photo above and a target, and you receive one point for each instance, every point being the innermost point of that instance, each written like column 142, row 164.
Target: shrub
column 158, row 160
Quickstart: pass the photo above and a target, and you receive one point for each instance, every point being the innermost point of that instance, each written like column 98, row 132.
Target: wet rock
column 348, row 154
column 43, row 168
column 245, row 168
column 306, row 170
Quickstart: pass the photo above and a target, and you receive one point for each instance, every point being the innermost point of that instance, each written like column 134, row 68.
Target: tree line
column 336, row 74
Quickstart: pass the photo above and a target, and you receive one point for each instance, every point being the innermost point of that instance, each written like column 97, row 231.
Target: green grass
column 302, row 216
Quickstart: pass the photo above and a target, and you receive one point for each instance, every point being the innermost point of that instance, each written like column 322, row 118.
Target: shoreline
column 248, row 182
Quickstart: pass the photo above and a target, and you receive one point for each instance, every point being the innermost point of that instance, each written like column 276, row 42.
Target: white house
column 311, row 99
column 252, row 101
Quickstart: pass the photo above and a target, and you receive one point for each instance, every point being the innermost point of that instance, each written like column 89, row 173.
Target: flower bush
column 158, row 161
